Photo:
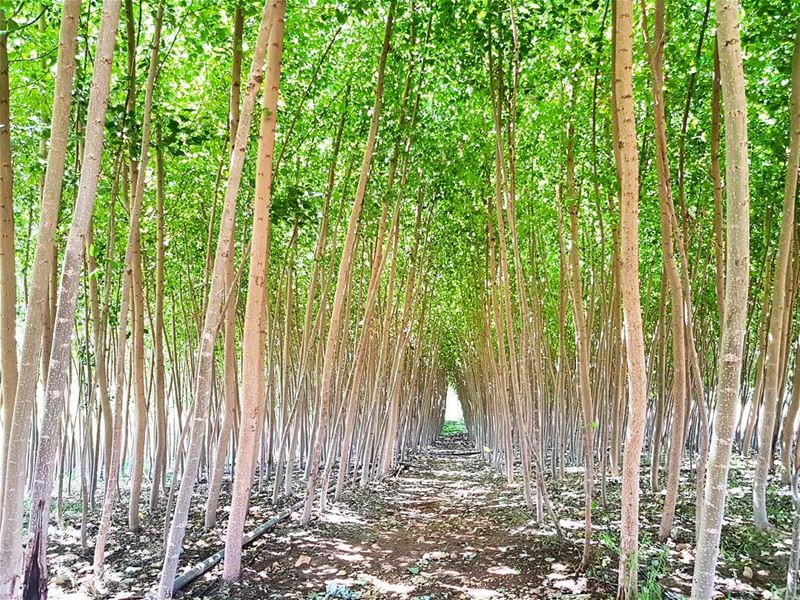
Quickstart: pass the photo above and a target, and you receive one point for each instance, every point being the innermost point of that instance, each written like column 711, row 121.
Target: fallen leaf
column 302, row 561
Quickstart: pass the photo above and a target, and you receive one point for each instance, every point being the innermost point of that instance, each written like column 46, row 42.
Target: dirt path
column 446, row 526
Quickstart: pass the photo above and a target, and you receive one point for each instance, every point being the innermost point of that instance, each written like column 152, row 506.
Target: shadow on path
column 445, row 526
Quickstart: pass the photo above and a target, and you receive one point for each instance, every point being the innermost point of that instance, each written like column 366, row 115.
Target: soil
column 446, row 525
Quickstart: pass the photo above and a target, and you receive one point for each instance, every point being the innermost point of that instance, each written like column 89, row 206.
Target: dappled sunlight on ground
column 445, row 526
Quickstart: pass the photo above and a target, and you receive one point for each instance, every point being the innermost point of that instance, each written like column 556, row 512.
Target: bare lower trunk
column 253, row 390
column 793, row 570
column 14, row 461
column 737, row 279
column 628, row 169
column 787, row 435
column 584, row 387
column 159, row 469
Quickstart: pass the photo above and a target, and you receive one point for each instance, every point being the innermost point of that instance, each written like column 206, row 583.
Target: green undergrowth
column 451, row 428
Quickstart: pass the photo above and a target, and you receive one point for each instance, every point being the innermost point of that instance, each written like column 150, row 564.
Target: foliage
column 656, row 568
column 437, row 146
column 335, row 590
column 451, row 428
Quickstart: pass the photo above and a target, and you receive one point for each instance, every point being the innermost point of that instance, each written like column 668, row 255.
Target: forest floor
column 445, row 525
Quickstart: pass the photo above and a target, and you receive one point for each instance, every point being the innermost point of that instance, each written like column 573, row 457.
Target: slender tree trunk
column 231, row 386
column 773, row 399
column 655, row 50
column 342, row 282
column 253, row 391
column 99, row 333
column 793, row 570
column 14, row 461
column 137, row 372
column 584, row 387
column 8, row 276
column 716, row 181
column 787, row 434
column 360, row 357
column 230, row 397
column 159, row 468
column 127, row 298
column 213, row 316
column 628, row 169
column 737, row 277
column 35, row 568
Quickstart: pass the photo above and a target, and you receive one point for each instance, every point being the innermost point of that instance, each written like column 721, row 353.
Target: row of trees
column 525, row 202
column 335, row 391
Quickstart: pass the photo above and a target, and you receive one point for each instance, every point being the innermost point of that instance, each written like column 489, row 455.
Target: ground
column 445, row 526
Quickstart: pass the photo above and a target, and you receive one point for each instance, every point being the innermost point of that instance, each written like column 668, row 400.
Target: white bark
column 36, row 551
column 213, row 316
column 737, row 279
column 253, row 391
column 14, row 463
column 628, row 169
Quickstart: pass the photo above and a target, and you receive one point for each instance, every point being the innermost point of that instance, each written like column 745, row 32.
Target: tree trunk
column 628, row 169
column 787, row 434
column 8, row 277
column 159, row 468
column 737, row 278
column 775, row 340
column 342, row 281
column 213, row 316
column 716, row 181
column 14, row 461
column 129, row 276
column 655, row 50
column 253, row 391
column 584, row 387
column 35, row 568
column 231, row 384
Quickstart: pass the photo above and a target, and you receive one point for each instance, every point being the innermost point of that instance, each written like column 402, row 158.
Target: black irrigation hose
column 213, row 560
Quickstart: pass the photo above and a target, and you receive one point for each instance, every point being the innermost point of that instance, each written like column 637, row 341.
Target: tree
column 655, row 51
column 582, row 343
column 342, row 279
column 8, row 269
column 12, row 465
column 773, row 371
column 131, row 277
column 737, row 280
column 11, row 531
column 214, row 308
column 628, row 173
column 253, row 392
